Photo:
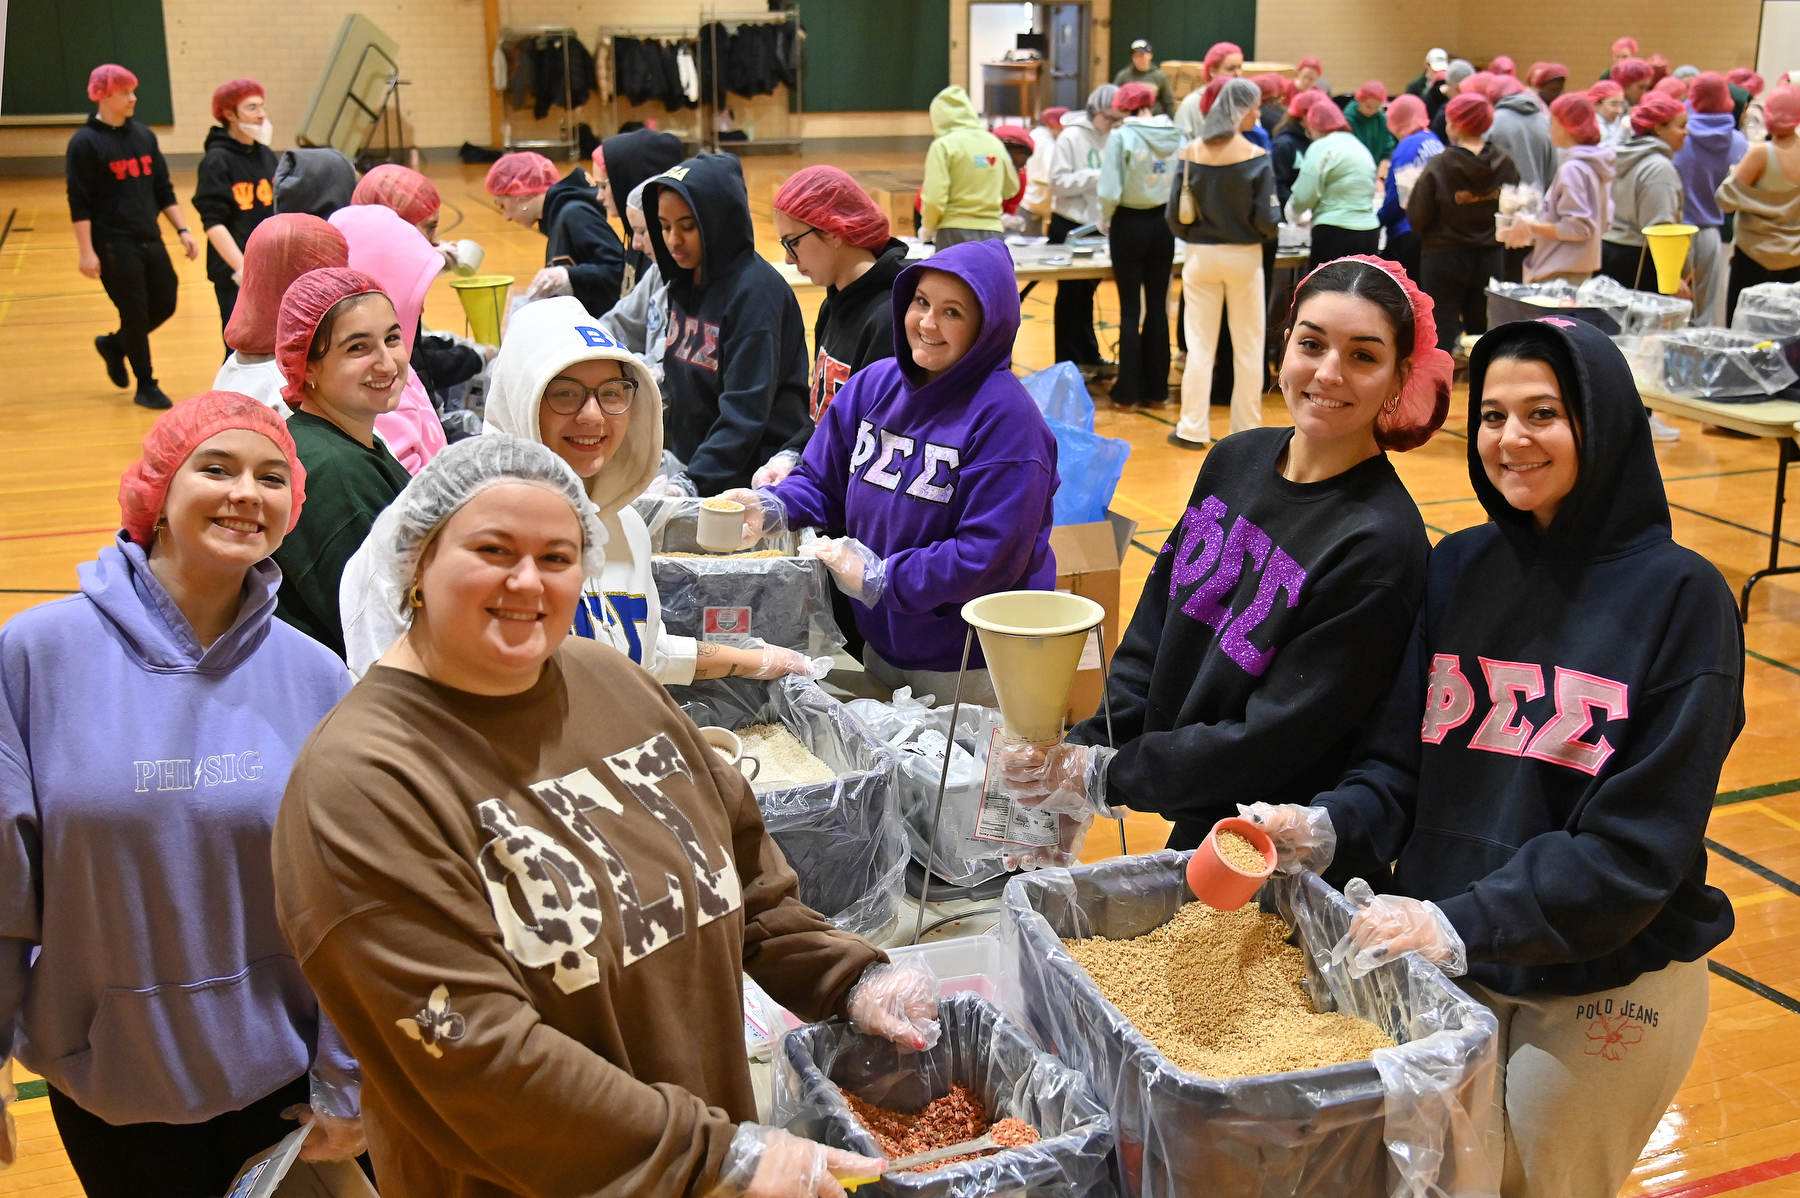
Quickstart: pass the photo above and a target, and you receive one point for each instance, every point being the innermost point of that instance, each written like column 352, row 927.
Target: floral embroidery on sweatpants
column 1610, row 1035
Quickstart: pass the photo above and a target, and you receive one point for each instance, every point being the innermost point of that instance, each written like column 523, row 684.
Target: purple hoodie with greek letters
column 949, row 479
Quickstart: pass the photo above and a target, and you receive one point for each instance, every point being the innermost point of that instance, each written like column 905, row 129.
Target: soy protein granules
column 1220, row 994
column 1238, row 851
column 784, row 760
column 952, row 1119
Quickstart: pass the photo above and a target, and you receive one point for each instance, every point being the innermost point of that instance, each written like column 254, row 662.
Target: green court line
column 33, row 1089
column 1771, row 661
column 1767, row 790
column 1692, row 511
column 1437, row 502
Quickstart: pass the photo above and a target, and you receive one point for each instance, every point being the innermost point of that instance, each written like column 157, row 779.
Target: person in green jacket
column 1367, row 114
column 968, row 175
column 1143, row 70
column 1337, row 186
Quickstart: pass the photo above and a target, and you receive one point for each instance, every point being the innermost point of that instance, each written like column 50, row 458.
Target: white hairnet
column 1460, row 69
column 635, row 201
column 1101, row 98
column 1234, row 101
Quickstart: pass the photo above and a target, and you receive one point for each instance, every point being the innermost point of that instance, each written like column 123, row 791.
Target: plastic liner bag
column 1634, row 311
column 980, row 1049
column 917, row 734
column 730, row 600
column 1550, row 289
column 1713, row 364
column 1089, row 467
column 674, row 524
column 843, row 837
column 1410, row 1123
column 1768, row 310
column 1062, row 395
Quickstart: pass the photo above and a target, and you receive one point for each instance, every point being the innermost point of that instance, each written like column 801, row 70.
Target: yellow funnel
column 1032, row 641
column 484, row 303
column 1669, row 250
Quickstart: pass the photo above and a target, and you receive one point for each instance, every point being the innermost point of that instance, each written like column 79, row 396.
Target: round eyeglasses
column 614, row 396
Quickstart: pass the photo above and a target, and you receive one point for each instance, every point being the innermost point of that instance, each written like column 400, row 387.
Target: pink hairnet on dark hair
column 406, row 191
column 308, row 300
column 1625, row 45
column 1501, row 64
column 1653, row 110
column 1406, row 115
column 280, row 250
column 1544, row 72
column 1270, row 84
column 1304, row 101
column 1309, row 61
column 1603, row 91
column 1016, row 135
column 1476, row 84
column 108, row 79
column 1501, row 86
column 1470, row 113
column 1054, row 116
column 1708, row 92
column 1745, row 78
column 1374, row 89
column 1575, row 112
column 1209, row 95
column 1631, row 71
column 521, row 173
column 829, row 199
column 174, row 437
column 1675, row 89
column 1659, row 67
column 1134, row 96
column 1781, row 110
column 1325, row 116
column 227, row 96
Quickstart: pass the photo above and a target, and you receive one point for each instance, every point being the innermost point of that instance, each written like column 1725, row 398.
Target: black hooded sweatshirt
column 1266, row 638
column 582, row 239
column 118, row 180
column 1545, row 766
column 1286, row 148
column 855, row 327
column 1454, row 202
column 734, row 370
column 235, row 188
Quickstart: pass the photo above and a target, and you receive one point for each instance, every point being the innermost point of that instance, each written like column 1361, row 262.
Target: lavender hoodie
column 949, row 480
column 1580, row 205
column 139, row 780
column 1712, row 148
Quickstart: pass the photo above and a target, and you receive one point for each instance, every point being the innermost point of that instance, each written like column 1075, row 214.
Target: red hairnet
column 406, row 191
column 1471, row 113
column 1476, row 84
column 1603, row 91
column 1625, row 45
column 1406, row 115
column 1054, row 116
column 1675, row 89
column 1544, row 72
column 1325, row 116
column 1374, row 89
column 280, row 250
column 1134, row 96
column 1501, row 86
column 1659, row 67
column 827, row 198
column 1575, row 112
column 1219, row 53
column 521, row 173
column 1631, row 71
column 1209, row 95
column 1303, row 101
column 306, row 303
column 1018, row 135
column 227, row 96
column 181, row 430
column 1745, row 78
column 1501, row 64
column 1653, row 110
column 1309, row 61
column 1708, row 92
column 109, row 78
column 1781, row 110
column 1272, row 85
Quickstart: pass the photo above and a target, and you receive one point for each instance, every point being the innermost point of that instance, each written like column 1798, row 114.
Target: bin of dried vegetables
column 862, row 1094
column 832, row 799
column 1236, row 1062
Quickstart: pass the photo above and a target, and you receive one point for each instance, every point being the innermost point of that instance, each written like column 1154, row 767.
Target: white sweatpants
column 1216, row 280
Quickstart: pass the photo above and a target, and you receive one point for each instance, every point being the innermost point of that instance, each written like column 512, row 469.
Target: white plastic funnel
column 1032, row 641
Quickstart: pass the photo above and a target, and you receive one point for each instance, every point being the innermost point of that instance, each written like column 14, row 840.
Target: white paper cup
column 721, row 528
column 726, row 744
column 468, row 257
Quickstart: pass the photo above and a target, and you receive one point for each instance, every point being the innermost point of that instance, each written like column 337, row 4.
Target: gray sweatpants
column 1708, row 259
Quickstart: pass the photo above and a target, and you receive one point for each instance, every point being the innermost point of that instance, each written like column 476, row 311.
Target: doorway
column 994, row 29
column 1067, row 26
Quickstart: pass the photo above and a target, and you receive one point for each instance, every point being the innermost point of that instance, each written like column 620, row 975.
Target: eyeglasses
column 614, row 396
column 788, row 243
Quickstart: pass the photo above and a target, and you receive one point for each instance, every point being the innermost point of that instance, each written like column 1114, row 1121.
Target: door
column 1067, row 25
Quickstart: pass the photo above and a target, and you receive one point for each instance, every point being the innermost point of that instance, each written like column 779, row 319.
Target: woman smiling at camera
column 528, row 891
column 1543, row 771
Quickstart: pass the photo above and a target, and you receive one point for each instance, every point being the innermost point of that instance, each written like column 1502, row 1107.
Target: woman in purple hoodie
column 146, row 734
column 938, row 470
column 1713, row 147
column 1578, row 209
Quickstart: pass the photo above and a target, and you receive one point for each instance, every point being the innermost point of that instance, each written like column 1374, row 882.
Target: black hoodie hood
column 1618, row 504
column 577, row 235
column 219, row 136
column 633, row 157
column 713, row 186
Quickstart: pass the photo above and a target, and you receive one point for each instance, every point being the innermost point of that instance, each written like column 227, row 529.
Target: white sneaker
column 1662, row 430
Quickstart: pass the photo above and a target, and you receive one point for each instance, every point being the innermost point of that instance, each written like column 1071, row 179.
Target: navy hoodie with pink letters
column 949, row 480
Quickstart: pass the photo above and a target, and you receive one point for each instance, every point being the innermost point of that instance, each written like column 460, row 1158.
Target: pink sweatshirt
column 1579, row 205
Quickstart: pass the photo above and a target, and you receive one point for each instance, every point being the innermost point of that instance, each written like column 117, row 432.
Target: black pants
column 226, row 293
column 140, row 281
column 1404, row 249
column 1514, row 263
column 1330, row 243
column 170, row 1160
column 1456, row 280
column 1748, row 272
column 1074, row 308
column 1143, row 250
column 1629, row 264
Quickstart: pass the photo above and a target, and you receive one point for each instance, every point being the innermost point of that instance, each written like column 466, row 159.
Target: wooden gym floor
column 66, row 435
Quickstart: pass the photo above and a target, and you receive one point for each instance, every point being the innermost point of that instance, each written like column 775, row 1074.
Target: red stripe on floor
column 1734, row 1179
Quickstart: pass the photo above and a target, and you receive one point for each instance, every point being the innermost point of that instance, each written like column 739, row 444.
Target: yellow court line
column 1760, row 896
column 1786, row 821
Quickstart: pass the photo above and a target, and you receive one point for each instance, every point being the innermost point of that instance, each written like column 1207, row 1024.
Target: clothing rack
column 568, row 140
column 606, row 52
column 713, row 101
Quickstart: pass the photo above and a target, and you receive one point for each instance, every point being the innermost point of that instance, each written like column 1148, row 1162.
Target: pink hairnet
column 1675, row 89
column 1018, row 135
column 1406, row 115
column 1476, row 84
column 109, row 78
column 309, row 298
column 1209, row 95
column 1544, row 72
column 1631, row 71
column 406, row 191
column 1272, row 85
column 1309, row 61
column 1501, row 86
column 1325, row 116
column 1745, row 78
column 181, row 430
column 280, row 250
column 1781, row 110
column 1502, row 64
column 827, row 198
column 227, row 96
column 521, row 173
column 1575, row 112
column 1625, row 45
column 1653, row 110
column 1374, row 89
column 1603, row 91
column 1471, row 113
column 1708, row 92
column 1054, row 116
column 1659, row 67
column 1302, row 103
column 1134, row 96
column 1219, row 52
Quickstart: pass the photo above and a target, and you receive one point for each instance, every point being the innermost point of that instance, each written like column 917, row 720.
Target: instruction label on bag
column 727, row 626
column 1000, row 818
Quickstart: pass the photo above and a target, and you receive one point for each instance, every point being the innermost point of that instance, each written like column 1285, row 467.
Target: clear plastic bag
column 1714, row 364
column 843, row 837
column 1768, row 310
column 1407, row 1123
column 1062, row 395
column 1634, row 311
column 980, row 1049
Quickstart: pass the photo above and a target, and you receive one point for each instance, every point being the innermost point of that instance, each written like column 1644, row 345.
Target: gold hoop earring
column 414, row 599
column 1391, row 405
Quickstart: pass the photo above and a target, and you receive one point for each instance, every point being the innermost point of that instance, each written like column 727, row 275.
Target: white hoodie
column 1075, row 170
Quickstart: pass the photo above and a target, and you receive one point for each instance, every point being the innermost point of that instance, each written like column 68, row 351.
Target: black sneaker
column 1181, row 442
column 113, row 354
column 149, row 395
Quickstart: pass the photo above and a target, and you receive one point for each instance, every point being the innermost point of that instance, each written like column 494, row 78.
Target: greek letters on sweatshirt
column 529, row 915
column 1545, row 765
column 1267, row 634
column 118, row 180
column 235, row 188
column 582, row 239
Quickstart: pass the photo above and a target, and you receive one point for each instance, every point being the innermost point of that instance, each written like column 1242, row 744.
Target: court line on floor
column 29, row 591
column 76, row 532
column 1767, row 790
column 1771, row 661
column 1756, row 867
column 1763, row 533
column 1760, row 989
column 1731, row 1179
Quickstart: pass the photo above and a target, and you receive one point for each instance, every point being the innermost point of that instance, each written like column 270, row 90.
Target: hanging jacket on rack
column 537, row 74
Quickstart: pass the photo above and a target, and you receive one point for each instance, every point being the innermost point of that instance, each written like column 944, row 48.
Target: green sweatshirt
column 1371, row 131
column 968, row 173
column 1337, row 183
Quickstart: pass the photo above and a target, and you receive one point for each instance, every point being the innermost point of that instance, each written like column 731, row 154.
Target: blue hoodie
column 139, row 780
column 949, row 480
column 1713, row 146
column 1411, row 156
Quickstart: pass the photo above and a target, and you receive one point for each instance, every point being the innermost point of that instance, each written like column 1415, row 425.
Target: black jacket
column 1266, row 638
column 1458, row 193
column 1286, row 148
column 582, row 239
column 235, row 188
column 855, row 327
column 1546, row 764
column 118, row 180
column 734, row 371
column 630, row 159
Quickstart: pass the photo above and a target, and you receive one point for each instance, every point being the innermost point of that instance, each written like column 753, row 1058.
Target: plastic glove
column 765, row 515
column 9, row 1131
column 778, row 662
column 858, row 572
column 337, row 1138
column 1071, row 834
column 237, row 276
column 1518, row 235
column 680, row 486
column 776, row 469
column 1063, row 778
column 898, row 1001
column 767, row 1162
column 552, row 280
column 1303, row 836
column 1388, row 926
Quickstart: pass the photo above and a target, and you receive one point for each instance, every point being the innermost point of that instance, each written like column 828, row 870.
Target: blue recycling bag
column 1089, row 466
column 1062, row 395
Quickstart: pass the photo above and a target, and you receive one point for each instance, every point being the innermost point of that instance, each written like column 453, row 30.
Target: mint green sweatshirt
column 1336, row 183
column 968, row 173
column 1137, row 164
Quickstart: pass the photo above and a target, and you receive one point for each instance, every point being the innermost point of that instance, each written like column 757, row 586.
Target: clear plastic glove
column 1063, row 778
column 1518, row 235
column 334, row 1139
column 1387, row 926
column 858, row 572
column 767, row 1162
column 776, row 469
column 778, row 662
column 765, row 515
column 1303, row 836
column 552, row 280
column 680, row 486
column 899, row 1002
column 1071, row 834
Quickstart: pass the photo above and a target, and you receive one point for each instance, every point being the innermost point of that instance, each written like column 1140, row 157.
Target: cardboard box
column 280, row 1173
column 1088, row 558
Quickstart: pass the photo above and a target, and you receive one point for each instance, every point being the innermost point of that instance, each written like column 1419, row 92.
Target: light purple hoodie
column 1712, row 148
column 139, row 780
column 1580, row 205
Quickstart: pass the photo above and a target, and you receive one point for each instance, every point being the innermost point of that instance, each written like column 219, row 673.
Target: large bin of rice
column 841, row 831
column 1400, row 1122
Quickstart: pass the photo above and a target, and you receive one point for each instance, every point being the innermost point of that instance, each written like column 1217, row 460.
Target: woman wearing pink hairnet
column 1367, row 114
column 411, row 195
column 1578, row 208
column 1764, row 191
column 583, row 256
column 283, row 248
column 1452, row 209
column 1611, row 111
column 235, row 189
column 1646, row 189
column 1336, row 188
column 149, row 726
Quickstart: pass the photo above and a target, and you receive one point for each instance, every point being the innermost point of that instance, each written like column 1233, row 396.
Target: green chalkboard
column 1181, row 28
column 875, row 55
column 51, row 45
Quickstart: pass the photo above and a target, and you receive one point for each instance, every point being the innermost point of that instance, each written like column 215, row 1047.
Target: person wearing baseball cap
column 1143, row 69
column 1437, row 61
